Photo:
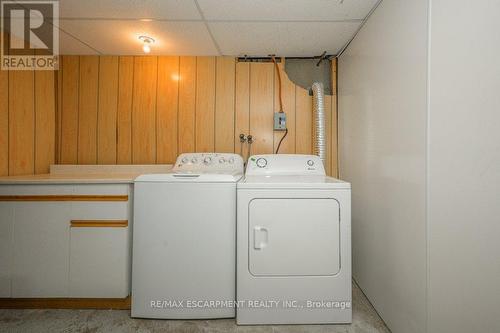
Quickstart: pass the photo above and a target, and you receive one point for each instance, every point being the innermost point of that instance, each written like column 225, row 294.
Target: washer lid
column 186, row 177
column 292, row 181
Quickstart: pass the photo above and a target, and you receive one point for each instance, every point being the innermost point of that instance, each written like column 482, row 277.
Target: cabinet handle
column 99, row 224
column 63, row 197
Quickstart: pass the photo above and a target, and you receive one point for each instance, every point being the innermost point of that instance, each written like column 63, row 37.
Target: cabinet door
column 100, row 249
column 40, row 258
column 100, row 261
column 6, row 221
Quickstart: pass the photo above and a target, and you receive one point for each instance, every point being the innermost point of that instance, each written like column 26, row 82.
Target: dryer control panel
column 209, row 163
column 285, row 164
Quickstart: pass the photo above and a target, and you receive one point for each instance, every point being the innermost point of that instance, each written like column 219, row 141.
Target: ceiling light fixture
column 147, row 41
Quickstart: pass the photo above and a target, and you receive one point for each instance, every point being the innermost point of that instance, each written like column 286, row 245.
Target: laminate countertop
column 87, row 174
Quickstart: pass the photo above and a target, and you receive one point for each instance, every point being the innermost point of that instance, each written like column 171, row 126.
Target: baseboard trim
column 65, row 303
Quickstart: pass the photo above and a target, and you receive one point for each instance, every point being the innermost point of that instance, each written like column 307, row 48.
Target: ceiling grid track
column 78, row 39
column 208, row 28
column 360, row 27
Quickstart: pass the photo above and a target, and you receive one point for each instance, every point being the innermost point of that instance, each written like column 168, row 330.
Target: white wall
column 464, row 166
column 382, row 129
column 419, row 136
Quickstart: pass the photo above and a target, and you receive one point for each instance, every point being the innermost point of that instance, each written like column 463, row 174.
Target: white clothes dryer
column 293, row 243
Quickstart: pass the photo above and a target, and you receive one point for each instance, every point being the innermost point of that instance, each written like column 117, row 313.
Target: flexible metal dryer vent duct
column 319, row 147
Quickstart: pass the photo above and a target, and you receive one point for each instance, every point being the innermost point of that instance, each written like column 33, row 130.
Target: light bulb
column 146, row 43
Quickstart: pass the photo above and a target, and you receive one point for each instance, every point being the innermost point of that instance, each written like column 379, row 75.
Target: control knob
column 261, row 162
column 207, row 160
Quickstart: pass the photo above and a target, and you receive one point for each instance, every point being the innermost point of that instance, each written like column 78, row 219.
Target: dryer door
column 294, row 237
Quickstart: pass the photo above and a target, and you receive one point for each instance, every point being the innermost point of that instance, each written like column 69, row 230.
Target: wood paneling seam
column 97, row 107
column 156, row 112
column 215, row 105
column 132, row 115
column 296, row 119
column 78, row 112
column 56, row 108
column 8, row 122
column 34, row 123
column 234, row 110
column 249, row 105
column 61, row 90
column 178, row 106
column 195, row 98
column 273, row 109
column 116, row 119
column 60, row 97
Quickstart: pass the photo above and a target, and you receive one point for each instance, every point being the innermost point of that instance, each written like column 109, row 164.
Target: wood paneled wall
column 148, row 109
column 27, row 122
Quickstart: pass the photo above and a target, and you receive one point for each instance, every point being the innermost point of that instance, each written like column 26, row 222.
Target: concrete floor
column 365, row 320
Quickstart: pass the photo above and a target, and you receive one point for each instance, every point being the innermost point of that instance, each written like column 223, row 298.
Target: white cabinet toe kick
column 65, row 241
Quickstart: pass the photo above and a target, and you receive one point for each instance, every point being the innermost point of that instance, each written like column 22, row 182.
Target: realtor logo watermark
column 31, row 38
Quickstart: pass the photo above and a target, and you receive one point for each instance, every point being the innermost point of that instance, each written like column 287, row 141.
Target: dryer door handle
column 260, row 237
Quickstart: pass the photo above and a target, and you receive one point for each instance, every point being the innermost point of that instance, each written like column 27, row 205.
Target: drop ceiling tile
column 121, row 36
column 286, row 10
column 299, row 39
column 130, row 9
column 68, row 45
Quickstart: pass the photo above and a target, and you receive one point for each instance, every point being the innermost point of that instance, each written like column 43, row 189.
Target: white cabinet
column 99, row 262
column 40, row 262
column 100, row 250
column 65, row 241
column 6, row 222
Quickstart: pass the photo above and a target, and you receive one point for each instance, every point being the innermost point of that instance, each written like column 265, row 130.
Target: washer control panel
column 285, row 164
column 208, row 162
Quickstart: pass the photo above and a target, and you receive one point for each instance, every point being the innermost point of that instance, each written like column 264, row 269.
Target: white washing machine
column 184, row 239
column 293, row 243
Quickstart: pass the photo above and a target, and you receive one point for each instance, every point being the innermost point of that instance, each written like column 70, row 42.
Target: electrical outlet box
column 279, row 121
